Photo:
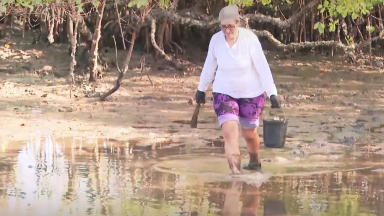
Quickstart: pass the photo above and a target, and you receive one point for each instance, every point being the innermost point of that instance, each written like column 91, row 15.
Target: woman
column 242, row 77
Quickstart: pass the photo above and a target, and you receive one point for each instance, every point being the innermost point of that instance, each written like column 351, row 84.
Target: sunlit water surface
column 69, row 176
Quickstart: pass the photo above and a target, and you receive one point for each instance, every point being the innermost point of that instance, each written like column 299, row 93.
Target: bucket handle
column 273, row 114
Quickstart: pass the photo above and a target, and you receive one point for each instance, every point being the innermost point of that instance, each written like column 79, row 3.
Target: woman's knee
column 250, row 134
column 230, row 130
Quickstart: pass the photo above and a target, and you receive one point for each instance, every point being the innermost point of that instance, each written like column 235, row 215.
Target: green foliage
column 139, row 3
column 319, row 26
column 165, row 3
column 95, row 3
column 332, row 9
column 343, row 8
column 241, row 3
column 143, row 3
column 32, row 5
column 370, row 29
column 288, row 2
column 332, row 25
column 349, row 40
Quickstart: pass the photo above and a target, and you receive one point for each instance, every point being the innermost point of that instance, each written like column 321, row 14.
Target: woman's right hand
column 200, row 97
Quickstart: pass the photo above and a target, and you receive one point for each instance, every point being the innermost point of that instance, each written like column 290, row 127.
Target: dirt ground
column 328, row 102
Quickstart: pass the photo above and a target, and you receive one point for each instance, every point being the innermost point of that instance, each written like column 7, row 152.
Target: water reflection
column 248, row 197
column 106, row 177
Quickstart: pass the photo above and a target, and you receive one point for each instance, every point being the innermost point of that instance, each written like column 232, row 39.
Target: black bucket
column 274, row 132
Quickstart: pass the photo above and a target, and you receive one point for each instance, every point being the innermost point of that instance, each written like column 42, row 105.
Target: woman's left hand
column 274, row 102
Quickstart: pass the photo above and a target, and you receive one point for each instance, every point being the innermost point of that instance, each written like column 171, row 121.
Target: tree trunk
column 25, row 12
column 95, row 42
column 73, row 41
column 147, row 40
column 57, row 23
column 160, row 36
column 369, row 38
column 51, row 24
column 312, row 24
column 70, row 31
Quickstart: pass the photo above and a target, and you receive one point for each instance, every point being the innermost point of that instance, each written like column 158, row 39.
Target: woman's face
column 230, row 30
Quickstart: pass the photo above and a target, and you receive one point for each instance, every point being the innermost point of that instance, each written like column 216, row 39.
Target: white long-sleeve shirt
column 242, row 70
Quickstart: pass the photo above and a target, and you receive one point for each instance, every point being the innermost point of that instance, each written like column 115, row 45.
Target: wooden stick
column 195, row 116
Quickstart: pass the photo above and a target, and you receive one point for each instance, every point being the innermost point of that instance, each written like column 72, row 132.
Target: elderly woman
column 242, row 77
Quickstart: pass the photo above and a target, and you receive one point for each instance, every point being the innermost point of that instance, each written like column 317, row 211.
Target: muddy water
column 67, row 176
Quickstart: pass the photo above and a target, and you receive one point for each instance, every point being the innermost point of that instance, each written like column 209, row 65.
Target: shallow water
column 67, row 176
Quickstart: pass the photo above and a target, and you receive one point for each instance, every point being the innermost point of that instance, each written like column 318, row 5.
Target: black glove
column 200, row 97
column 274, row 102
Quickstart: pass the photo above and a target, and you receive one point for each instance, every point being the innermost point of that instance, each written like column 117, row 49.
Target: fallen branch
column 292, row 46
column 263, row 33
column 365, row 43
column 210, row 22
column 304, row 45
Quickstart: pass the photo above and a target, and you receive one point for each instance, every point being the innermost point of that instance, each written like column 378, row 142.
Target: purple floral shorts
column 248, row 110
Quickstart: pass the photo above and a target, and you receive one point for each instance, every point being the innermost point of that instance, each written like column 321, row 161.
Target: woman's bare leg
column 230, row 131
column 253, row 147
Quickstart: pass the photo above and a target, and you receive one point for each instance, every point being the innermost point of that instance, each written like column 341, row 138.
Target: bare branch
column 117, row 60
column 121, row 30
column 153, row 40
